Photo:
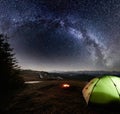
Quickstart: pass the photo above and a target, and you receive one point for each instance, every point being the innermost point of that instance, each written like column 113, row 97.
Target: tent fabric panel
column 116, row 81
column 104, row 92
column 88, row 89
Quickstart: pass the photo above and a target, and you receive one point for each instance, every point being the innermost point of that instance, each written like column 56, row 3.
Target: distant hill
column 75, row 75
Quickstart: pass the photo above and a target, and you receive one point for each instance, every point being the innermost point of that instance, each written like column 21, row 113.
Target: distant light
column 65, row 85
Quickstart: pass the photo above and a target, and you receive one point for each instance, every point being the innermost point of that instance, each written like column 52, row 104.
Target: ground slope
column 48, row 97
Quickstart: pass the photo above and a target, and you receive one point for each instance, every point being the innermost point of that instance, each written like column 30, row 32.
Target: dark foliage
column 9, row 71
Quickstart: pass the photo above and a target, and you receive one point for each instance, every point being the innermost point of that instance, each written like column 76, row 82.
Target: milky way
column 63, row 34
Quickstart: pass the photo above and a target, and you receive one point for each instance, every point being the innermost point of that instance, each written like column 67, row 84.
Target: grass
column 48, row 97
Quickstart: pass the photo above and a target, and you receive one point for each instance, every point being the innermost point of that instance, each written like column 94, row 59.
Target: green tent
column 103, row 90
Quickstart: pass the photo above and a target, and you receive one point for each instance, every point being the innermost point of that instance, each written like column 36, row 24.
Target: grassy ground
column 48, row 97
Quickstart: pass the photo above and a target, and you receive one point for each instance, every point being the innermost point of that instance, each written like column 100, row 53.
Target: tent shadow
column 106, row 108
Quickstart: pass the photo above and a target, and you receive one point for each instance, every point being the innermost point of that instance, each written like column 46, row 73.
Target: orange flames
column 65, row 85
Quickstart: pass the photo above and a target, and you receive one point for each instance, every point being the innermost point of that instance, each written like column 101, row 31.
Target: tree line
column 9, row 70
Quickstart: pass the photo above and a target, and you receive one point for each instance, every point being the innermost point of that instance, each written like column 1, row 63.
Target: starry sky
column 63, row 35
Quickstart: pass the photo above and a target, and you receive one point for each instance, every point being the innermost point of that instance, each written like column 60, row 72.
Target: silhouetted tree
column 9, row 79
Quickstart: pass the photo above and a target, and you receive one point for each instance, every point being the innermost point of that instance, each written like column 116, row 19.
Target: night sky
column 63, row 35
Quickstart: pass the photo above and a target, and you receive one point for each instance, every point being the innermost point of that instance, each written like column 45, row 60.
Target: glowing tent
column 103, row 90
